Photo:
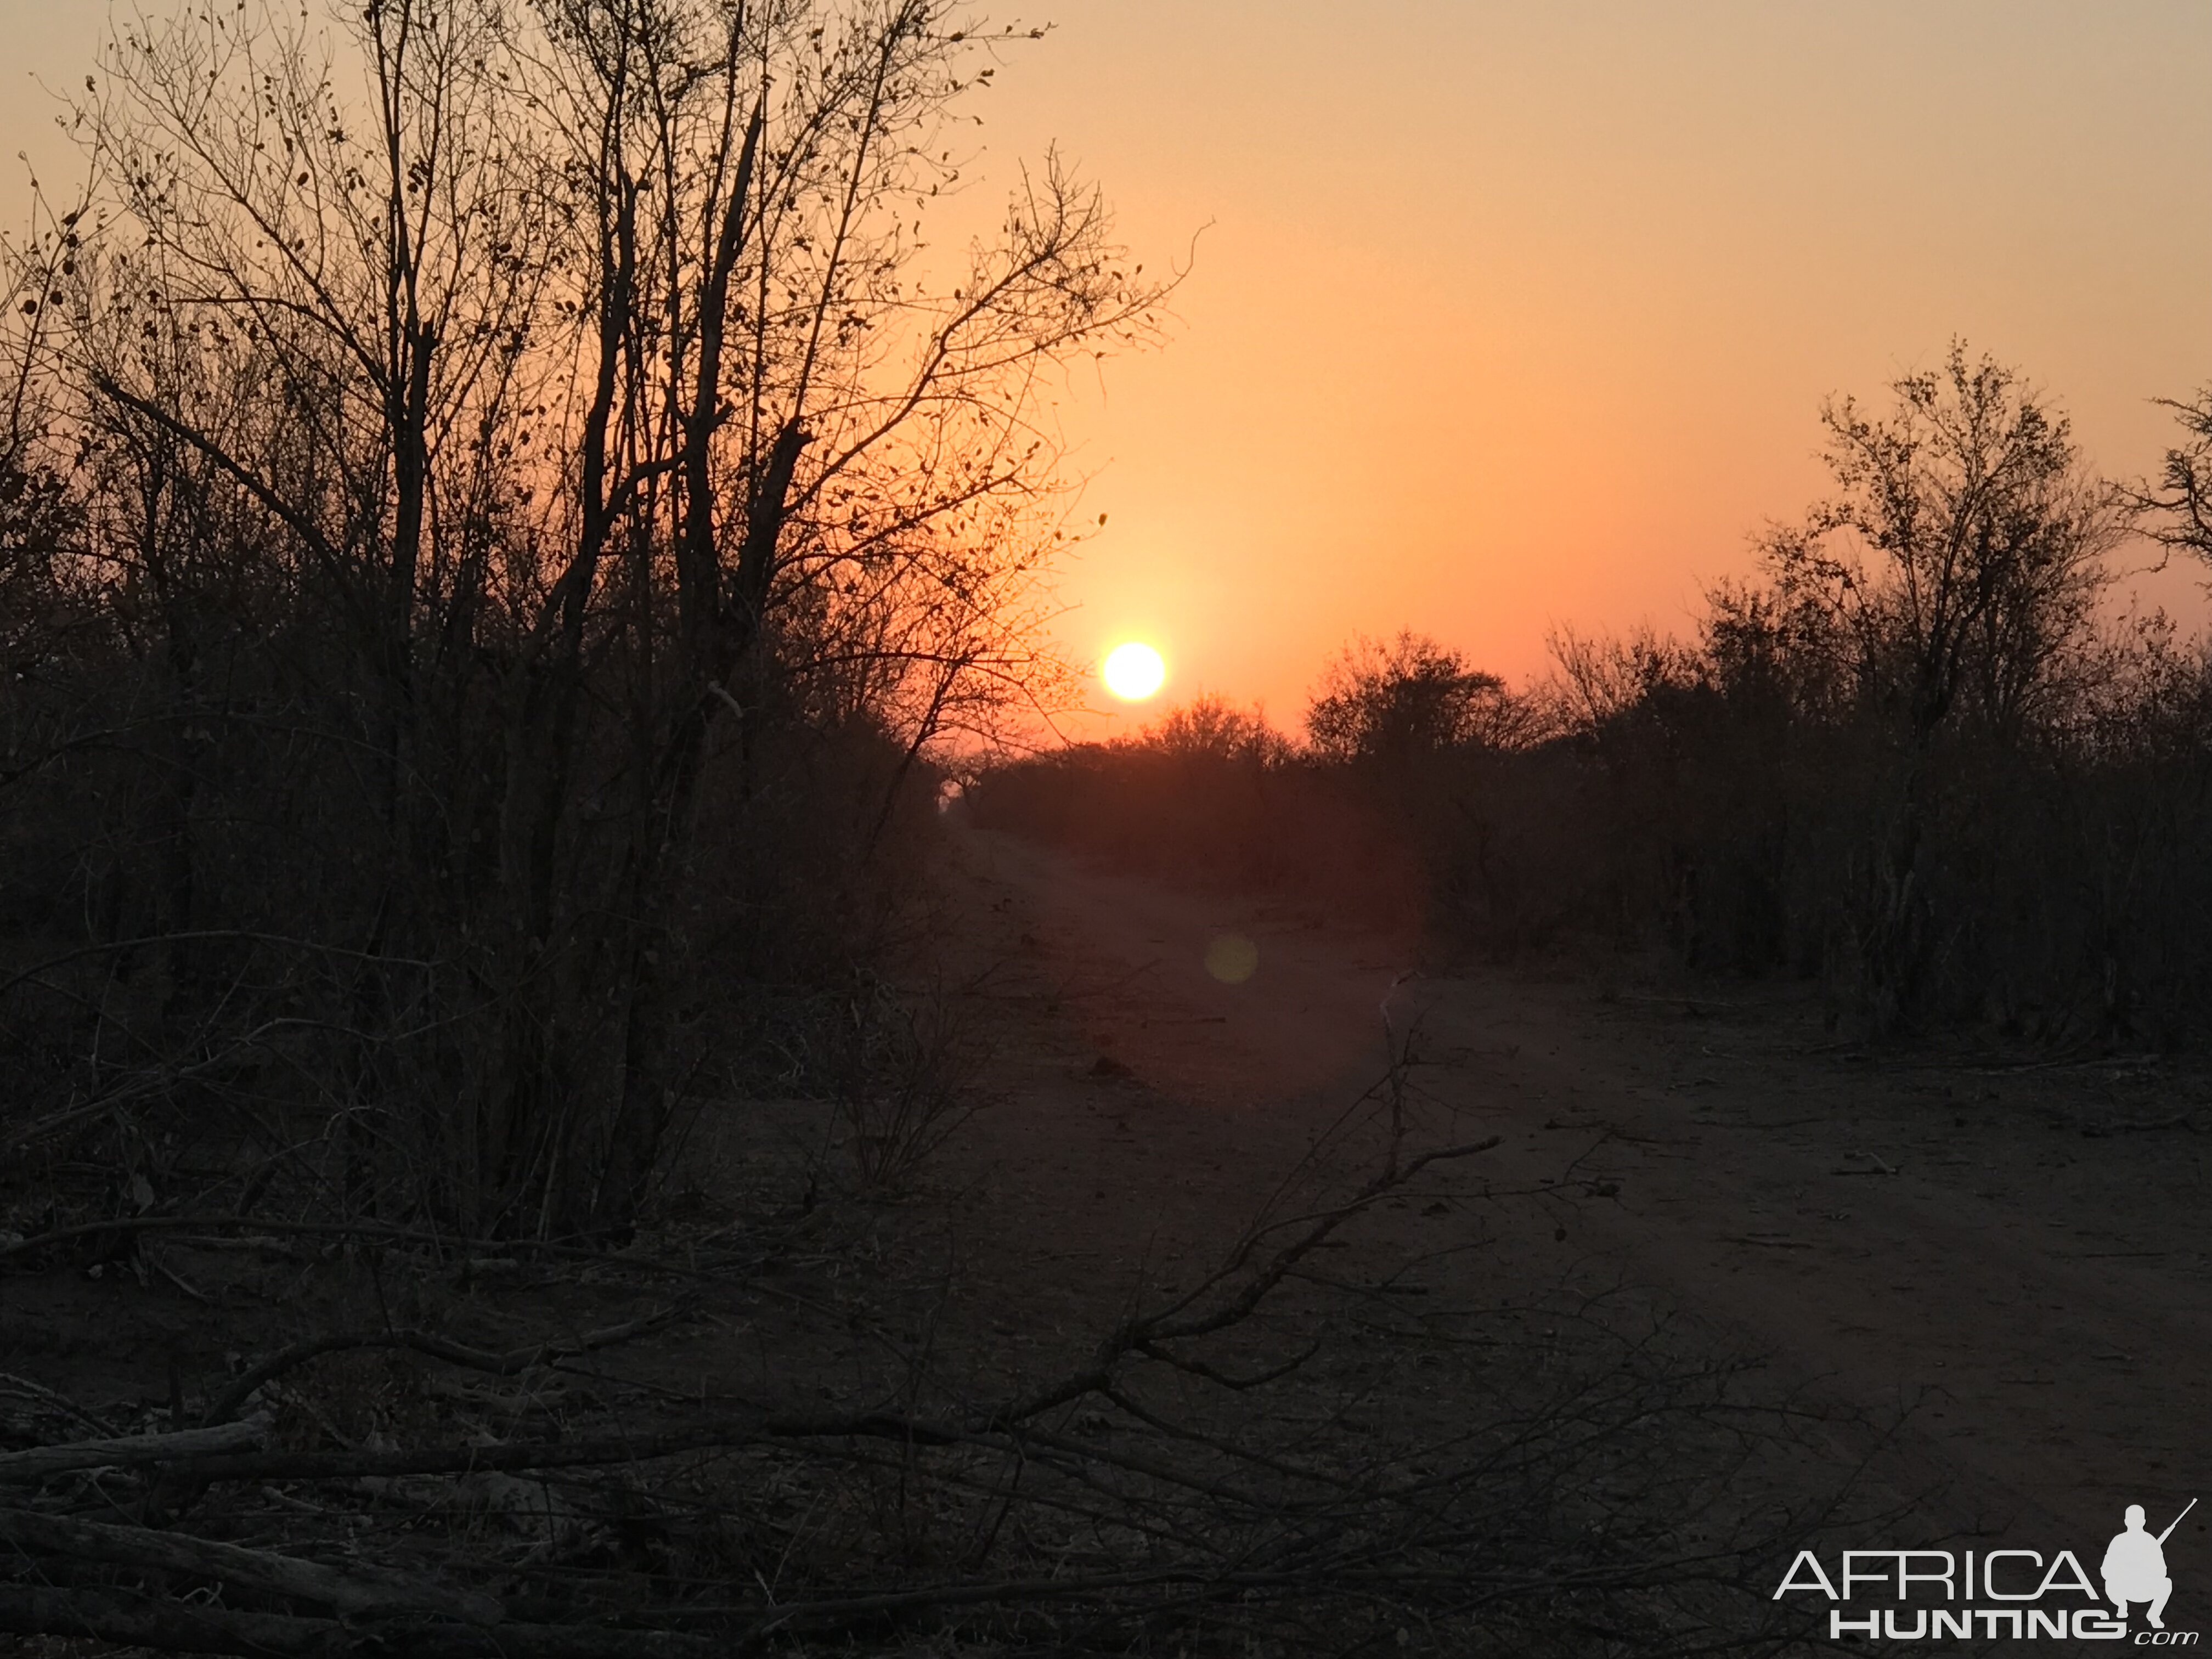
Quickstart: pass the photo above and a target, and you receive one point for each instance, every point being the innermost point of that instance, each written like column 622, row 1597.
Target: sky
column 1502, row 317
column 1505, row 317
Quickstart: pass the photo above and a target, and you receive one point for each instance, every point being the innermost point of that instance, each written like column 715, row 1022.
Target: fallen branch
column 154, row 1082
column 711, row 1434
column 156, row 1223
column 509, row 1363
column 24, row 1389
column 2182, row 1120
column 42, row 1462
column 179, row 1626
column 364, row 1231
column 349, row 1590
column 1184, row 1506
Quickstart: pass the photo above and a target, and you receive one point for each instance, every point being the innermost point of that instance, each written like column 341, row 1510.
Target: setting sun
column 1134, row 671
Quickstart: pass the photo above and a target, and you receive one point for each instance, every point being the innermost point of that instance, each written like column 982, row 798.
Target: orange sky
column 1515, row 314
column 1505, row 315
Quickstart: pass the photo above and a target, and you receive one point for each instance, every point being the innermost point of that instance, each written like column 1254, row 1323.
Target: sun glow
column 1134, row 671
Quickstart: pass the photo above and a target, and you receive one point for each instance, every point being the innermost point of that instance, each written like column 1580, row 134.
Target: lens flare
column 1134, row 671
column 1232, row 959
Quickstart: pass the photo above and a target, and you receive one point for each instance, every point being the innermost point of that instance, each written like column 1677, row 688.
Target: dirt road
column 2011, row 1257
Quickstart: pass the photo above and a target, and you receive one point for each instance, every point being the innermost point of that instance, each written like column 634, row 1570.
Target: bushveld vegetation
column 473, row 554
column 1917, row 757
column 500, row 505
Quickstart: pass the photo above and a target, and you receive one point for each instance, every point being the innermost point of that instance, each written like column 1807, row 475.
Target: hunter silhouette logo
column 2014, row 1593
column 2134, row 1566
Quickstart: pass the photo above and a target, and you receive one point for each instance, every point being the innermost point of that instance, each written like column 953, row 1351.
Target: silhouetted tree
column 1395, row 701
column 535, row 440
column 1958, row 564
column 1906, row 758
column 1961, row 558
column 2176, row 509
column 1212, row 728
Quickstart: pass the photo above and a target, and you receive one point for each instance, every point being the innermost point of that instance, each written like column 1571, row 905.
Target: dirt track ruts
column 1888, row 1230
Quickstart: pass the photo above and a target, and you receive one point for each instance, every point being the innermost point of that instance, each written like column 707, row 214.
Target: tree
column 2176, row 509
column 1393, row 701
column 1963, row 553
column 1958, row 566
column 1212, row 729
column 580, row 406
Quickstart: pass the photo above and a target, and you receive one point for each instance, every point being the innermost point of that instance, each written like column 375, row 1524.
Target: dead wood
column 364, row 1232
column 349, row 1590
column 508, row 1364
column 41, row 1462
column 176, row 1626
column 1182, row 1500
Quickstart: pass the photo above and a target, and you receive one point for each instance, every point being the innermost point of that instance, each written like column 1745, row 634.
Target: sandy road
column 1887, row 1234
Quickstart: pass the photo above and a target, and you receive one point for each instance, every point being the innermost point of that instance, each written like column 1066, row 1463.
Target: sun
column 1134, row 671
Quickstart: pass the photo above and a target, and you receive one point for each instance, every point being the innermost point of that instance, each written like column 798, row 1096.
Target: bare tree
column 2176, row 509
column 1964, row 551
column 1960, row 561
column 568, row 392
